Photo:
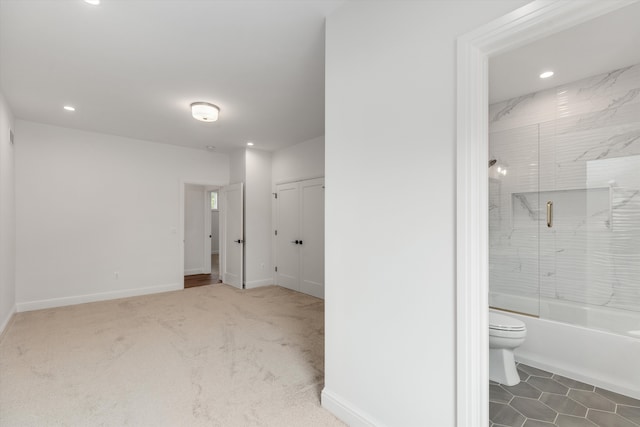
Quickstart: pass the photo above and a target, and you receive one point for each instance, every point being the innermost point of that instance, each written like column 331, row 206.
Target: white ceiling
column 600, row 45
column 131, row 68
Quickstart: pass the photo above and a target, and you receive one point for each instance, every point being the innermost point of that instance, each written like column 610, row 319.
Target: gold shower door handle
column 549, row 214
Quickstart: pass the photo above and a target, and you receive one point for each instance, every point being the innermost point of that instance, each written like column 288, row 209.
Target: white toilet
column 505, row 335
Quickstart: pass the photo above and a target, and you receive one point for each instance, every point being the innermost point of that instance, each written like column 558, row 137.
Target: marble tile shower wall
column 577, row 145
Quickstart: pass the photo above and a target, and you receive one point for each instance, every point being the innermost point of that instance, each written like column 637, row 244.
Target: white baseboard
column 258, row 283
column 193, row 271
column 578, row 375
column 102, row 296
column 345, row 411
column 6, row 321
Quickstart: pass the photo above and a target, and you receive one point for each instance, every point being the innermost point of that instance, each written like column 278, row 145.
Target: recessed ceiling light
column 92, row 2
column 546, row 74
column 69, row 108
column 204, row 111
column 250, row 144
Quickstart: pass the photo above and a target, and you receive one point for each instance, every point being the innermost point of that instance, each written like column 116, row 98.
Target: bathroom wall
column 577, row 145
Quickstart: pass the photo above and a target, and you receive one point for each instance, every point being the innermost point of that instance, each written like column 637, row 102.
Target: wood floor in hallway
column 195, row 280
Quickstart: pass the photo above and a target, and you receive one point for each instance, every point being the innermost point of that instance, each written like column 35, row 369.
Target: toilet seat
column 507, row 334
column 502, row 323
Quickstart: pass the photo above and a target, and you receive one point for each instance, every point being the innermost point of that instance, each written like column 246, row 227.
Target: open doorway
column 201, row 236
column 532, row 22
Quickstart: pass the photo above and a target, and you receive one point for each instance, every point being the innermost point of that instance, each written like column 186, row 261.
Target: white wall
column 194, row 233
column 7, row 218
column 301, row 161
column 237, row 167
column 258, row 259
column 89, row 205
column 390, row 209
column 215, row 232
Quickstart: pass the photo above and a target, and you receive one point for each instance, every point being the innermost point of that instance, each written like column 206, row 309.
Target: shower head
column 492, row 162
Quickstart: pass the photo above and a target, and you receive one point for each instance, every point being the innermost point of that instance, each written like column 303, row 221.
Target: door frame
column 208, row 187
column 531, row 22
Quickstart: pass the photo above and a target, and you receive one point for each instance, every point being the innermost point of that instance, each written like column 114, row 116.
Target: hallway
column 195, row 280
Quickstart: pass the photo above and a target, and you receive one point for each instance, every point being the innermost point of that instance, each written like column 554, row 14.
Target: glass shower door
column 593, row 181
column 515, row 212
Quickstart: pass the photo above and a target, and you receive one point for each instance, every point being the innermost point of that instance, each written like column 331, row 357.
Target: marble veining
column 627, row 98
column 511, row 105
column 577, row 145
column 604, row 82
column 613, row 144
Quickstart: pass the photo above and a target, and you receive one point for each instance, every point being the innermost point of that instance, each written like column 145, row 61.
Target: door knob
column 239, row 241
column 295, row 241
column 300, row 242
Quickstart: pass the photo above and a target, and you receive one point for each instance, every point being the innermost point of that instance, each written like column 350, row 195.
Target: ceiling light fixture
column 210, row 147
column 69, row 108
column 204, row 111
column 250, row 144
column 546, row 74
column 92, row 2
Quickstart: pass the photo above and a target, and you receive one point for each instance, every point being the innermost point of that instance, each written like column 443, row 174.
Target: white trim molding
column 6, row 322
column 102, row 296
column 258, row 283
column 345, row 411
column 534, row 21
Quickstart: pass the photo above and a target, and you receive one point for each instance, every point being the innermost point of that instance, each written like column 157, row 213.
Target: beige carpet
column 207, row 356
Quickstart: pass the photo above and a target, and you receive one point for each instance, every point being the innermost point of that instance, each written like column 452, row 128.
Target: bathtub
column 574, row 341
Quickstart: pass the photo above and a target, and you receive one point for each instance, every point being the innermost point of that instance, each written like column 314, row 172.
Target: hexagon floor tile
column 546, row 399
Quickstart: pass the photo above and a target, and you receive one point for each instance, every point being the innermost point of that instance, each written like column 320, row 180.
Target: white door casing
column 531, row 22
column 232, row 213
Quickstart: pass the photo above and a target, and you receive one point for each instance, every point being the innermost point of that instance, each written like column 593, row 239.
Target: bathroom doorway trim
column 531, row 22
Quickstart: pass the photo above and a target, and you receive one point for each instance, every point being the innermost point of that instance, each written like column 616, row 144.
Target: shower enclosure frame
column 533, row 21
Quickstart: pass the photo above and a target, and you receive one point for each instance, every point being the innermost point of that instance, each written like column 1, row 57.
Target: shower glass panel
column 564, row 219
column 514, row 216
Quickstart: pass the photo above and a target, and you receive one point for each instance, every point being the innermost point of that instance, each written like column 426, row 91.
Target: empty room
column 319, row 213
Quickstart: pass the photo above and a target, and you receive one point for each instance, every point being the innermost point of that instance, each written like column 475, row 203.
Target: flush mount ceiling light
column 250, row 144
column 92, row 2
column 204, row 111
column 546, row 74
column 69, row 108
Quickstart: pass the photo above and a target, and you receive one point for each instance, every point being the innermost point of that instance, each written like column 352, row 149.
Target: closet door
column 288, row 228
column 300, row 236
column 312, row 237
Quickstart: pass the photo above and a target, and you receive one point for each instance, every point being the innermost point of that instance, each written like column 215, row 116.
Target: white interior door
column 233, row 240
column 312, row 237
column 287, row 250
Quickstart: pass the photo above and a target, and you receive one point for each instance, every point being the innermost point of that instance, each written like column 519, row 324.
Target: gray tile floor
column 543, row 399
